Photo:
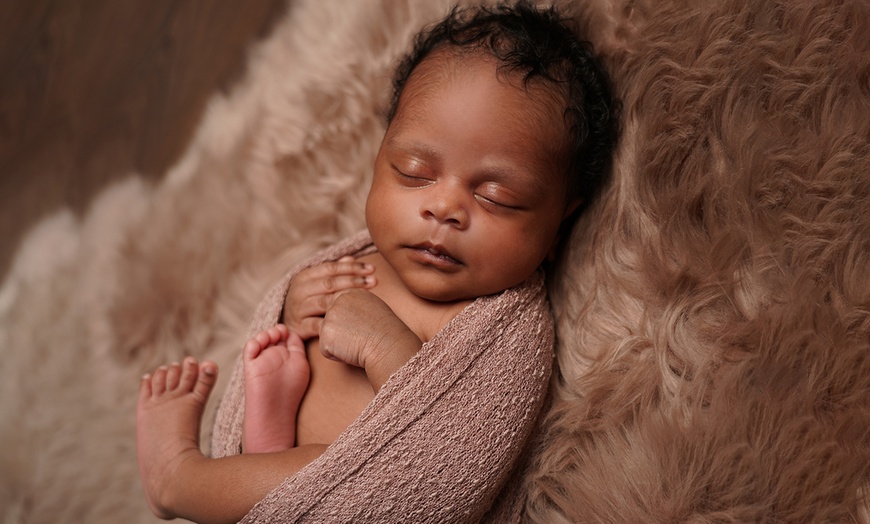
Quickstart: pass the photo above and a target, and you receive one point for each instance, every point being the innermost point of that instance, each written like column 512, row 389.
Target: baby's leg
column 168, row 415
column 276, row 377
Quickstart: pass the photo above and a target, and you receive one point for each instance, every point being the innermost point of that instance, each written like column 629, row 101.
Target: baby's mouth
column 436, row 255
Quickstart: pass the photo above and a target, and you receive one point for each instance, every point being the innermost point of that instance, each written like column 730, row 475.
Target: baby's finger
column 313, row 297
column 334, row 284
column 309, row 306
column 309, row 327
column 342, row 266
column 330, row 277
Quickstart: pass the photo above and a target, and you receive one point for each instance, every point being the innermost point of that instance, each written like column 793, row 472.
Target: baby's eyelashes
column 412, row 180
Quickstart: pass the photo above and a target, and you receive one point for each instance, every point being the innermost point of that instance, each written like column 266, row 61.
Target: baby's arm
column 205, row 490
column 361, row 330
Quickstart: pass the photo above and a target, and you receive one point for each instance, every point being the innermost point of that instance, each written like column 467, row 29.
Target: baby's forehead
column 545, row 104
column 449, row 62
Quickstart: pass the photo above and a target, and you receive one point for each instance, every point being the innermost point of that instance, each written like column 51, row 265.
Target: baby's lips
column 437, row 250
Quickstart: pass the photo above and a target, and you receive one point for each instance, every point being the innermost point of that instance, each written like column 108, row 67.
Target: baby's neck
column 424, row 317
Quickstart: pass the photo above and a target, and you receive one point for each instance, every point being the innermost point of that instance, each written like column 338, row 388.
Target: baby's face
column 466, row 198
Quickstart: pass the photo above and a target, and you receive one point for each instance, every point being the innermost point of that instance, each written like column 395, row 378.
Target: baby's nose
column 446, row 206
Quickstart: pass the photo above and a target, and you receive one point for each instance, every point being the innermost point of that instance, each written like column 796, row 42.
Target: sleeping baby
column 399, row 375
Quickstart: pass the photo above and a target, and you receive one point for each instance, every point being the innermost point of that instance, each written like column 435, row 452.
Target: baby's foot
column 168, row 415
column 276, row 377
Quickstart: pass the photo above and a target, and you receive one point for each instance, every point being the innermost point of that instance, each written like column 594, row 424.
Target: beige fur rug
column 713, row 308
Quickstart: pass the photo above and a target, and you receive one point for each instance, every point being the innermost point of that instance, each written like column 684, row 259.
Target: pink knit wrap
column 443, row 440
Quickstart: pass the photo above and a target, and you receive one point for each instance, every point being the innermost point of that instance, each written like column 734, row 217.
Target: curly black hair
column 540, row 45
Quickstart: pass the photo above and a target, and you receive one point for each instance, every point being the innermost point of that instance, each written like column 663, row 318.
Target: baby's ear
column 564, row 228
column 571, row 207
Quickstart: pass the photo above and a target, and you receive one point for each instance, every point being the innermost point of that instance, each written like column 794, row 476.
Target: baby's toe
column 158, row 381
column 173, row 375
column 145, row 387
column 189, row 372
column 206, row 378
column 275, row 335
column 263, row 338
column 252, row 349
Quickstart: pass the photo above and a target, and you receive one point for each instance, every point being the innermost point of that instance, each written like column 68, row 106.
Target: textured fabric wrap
column 443, row 440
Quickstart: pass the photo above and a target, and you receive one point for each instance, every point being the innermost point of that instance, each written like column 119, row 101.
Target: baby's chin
column 436, row 293
column 447, row 294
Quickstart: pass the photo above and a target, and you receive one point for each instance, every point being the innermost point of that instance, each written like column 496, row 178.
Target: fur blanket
column 713, row 308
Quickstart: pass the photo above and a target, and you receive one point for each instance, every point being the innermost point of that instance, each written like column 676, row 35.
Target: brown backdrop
column 91, row 91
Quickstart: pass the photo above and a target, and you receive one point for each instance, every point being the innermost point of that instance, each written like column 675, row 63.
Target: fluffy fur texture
column 713, row 307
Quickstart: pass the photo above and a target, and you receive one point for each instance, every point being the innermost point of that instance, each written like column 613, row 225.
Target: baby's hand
column 361, row 330
column 315, row 288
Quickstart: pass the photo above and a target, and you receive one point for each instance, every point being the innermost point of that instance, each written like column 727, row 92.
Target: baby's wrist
column 388, row 356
